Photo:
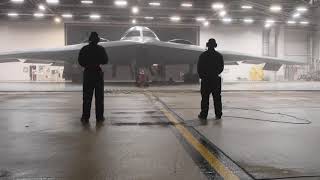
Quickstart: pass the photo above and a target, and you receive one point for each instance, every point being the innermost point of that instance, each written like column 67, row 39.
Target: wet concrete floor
column 155, row 135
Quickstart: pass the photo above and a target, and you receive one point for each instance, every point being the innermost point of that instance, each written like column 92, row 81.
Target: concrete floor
column 42, row 137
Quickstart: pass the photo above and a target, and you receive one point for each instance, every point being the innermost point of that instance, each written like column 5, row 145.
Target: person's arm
column 220, row 64
column 104, row 56
column 200, row 67
column 81, row 58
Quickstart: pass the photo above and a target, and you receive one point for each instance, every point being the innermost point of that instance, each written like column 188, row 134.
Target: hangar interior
column 270, row 125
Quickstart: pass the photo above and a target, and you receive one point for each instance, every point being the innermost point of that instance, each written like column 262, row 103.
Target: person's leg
column 87, row 95
column 205, row 95
column 99, row 96
column 217, row 99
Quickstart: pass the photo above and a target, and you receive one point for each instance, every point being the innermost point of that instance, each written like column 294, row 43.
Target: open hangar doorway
column 79, row 32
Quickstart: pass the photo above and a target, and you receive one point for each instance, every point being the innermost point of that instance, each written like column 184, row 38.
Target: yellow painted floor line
column 215, row 163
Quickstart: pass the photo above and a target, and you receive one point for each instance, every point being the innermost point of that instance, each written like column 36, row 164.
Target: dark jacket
column 92, row 55
column 210, row 65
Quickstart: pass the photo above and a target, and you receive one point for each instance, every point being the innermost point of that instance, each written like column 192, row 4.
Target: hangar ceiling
column 236, row 11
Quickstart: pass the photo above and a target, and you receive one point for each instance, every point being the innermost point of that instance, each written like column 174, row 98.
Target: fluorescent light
column 291, row 22
column 200, row 19
column 52, row 1
column 57, row 20
column 13, row 14
column 95, row 16
column 206, row 23
column 120, row 3
column 41, row 7
column 267, row 25
column 186, row 4
column 175, row 18
column 134, row 21
column 67, row 15
column 246, row 7
column 222, row 13
column 87, row 2
column 270, row 21
column 17, row 1
column 248, row 20
column 296, row 15
column 217, row 6
column 302, row 9
column 154, row 4
column 38, row 14
column 304, row 22
column 135, row 10
column 227, row 20
column 275, row 8
column 149, row 17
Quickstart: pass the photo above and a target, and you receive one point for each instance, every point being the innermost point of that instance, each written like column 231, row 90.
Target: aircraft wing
column 115, row 50
column 175, row 53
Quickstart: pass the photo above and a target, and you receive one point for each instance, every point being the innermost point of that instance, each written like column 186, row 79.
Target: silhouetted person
column 91, row 57
column 210, row 66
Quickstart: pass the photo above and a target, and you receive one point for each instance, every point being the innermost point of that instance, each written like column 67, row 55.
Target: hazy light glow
column 222, row 13
column 175, row 18
column 53, row 1
column 149, row 17
column 217, row 6
column 41, row 7
column 275, row 8
column 134, row 21
column 302, row 9
column 270, row 21
column 291, row 22
column 227, row 20
column 120, row 3
column 67, row 15
column 154, row 4
column 57, row 20
column 248, row 20
column 17, row 1
column 13, row 14
column 38, row 14
column 296, row 15
column 95, row 16
column 304, row 22
column 87, row 2
column 200, row 19
column 246, row 7
column 267, row 25
column 186, row 4
column 135, row 10
column 206, row 23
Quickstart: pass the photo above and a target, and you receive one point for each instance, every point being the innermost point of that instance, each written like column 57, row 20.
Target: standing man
column 91, row 57
column 210, row 66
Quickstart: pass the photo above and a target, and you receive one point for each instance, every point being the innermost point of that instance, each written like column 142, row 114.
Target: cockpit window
column 149, row 34
column 133, row 33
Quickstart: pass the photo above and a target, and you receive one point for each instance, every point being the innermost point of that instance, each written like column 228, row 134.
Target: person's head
column 94, row 38
column 212, row 44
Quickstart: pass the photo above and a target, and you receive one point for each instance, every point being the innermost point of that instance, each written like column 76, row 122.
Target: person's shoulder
column 85, row 47
column 218, row 53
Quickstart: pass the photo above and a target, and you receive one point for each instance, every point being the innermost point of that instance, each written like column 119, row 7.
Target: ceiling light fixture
column 227, row 20
column 87, row 2
column 121, row 3
column 134, row 21
column 302, row 9
column 67, row 15
column 38, row 15
column 149, row 17
column 95, row 16
column 246, row 7
column 135, row 10
column 248, row 20
column 304, row 22
column 270, row 21
column 154, row 4
column 267, row 25
column 291, row 22
column 13, row 14
column 206, row 23
column 57, row 20
column 53, row 1
column 222, row 13
column 217, row 6
column 17, row 1
column 275, row 8
column 200, row 19
column 175, row 18
column 186, row 4
column 41, row 7
column 296, row 15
